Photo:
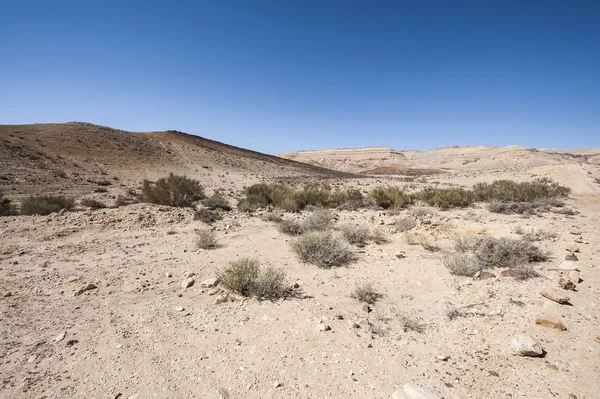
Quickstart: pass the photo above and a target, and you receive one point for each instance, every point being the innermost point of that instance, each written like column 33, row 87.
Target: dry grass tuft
column 366, row 292
column 322, row 249
column 207, row 239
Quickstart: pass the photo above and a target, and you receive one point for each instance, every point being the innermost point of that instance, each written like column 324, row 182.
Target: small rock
column 507, row 273
column 566, row 283
column 8, row 294
column 188, row 274
column 574, row 276
column 554, row 295
column 277, row 384
column 187, row 283
column 85, row 288
column 60, row 337
column 168, row 275
column 32, row 358
column 366, row 308
column 550, row 322
column 525, row 345
column 483, row 275
column 209, row 283
column 443, row 358
column 569, row 265
column 572, row 248
column 570, row 256
column 575, row 232
column 179, row 308
column 71, row 342
column 323, row 327
column 413, row 391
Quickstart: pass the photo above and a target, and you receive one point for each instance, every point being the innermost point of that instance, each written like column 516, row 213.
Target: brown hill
column 71, row 158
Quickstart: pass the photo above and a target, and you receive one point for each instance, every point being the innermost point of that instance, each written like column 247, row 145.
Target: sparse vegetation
column 207, row 216
column 177, row 191
column 246, row 277
column 462, row 264
column 207, row 239
column 390, row 197
column 124, row 201
column 404, row 224
column 60, row 173
column 357, row 235
column 507, row 252
column 319, row 220
column 5, row 206
column 322, row 249
column 511, row 191
column 466, row 243
column 422, row 240
column 445, row 198
column 216, row 202
column 290, row 227
column 92, row 203
column 366, row 292
column 524, row 272
column 410, row 323
column 45, row 205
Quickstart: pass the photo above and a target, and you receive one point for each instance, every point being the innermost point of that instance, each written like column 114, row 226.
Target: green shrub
column 178, row 191
column 92, row 203
column 207, row 216
column 207, row 239
column 5, row 206
column 390, row 197
column 322, row 249
column 511, row 191
column 366, row 292
column 45, row 205
column 216, row 202
column 445, row 198
column 251, row 203
column 247, row 278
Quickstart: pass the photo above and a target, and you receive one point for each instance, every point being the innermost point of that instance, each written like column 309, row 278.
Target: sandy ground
column 129, row 337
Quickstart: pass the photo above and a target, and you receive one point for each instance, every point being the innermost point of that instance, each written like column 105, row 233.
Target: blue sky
column 286, row 75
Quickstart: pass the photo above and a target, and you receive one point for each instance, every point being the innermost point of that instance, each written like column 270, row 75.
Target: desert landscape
column 367, row 273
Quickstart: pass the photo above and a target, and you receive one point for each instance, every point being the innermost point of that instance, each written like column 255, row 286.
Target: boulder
column 550, row 322
column 525, row 345
column 554, row 295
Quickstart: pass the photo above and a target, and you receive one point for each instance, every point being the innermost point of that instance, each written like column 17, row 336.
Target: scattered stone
column 85, row 288
column 323, row 327
column 188, row 274
column 575, row 232
column 168, row 275
column 209, row 283
column 71, row 342
column 366, row 308
column 400, row 256
column 60, row 337
column 443, row 358
column 493, row 373
column 507, row 273
column 32, row 358
column 483, row 275
column 8, row 294
column 554, row 295
column 572, row 248
column 569, row 265
column 277, row 384
column 566, row 283
column 179, row 308
column 413, row 391
column 574, row 276
column 525, row 345
column 550, row 322
column 570, row 256
column 187, row 283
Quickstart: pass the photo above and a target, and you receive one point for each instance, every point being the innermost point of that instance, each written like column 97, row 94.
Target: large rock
column 525, row 345
column 187, row 283
column 413, row 391
column 555, row 295
column 569, row 265
column 209, row 283
column 550, row 322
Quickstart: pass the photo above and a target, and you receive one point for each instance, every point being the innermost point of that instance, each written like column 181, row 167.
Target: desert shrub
column 216, row 202
column 511, row 208
column 322, row 249
column 507, row 252
column 351, row 205
column 390, row 197
column 524, row 272
column 207, row 216
column 410, row 323
column 60, row 173
column 349, row 197
column 45, row 205
column 92, row 203
column 290, row 227
column 419, row 239
column 100, row 190
column 379, row 237
column 366, row 292
column 462, row 264
column 404, row 224
column 124, row 201
column 206, row 239
column 273, row 217
column 251, row 203
column 5, row 206
column 178, row 191
column 104, row 183
column 246, row 277
column 357, row 235
column 565, row 211
column 421, row 212
column 318, row 220
column 538, row 235
column 466, row 243
column 511, row 191
column 446, row 198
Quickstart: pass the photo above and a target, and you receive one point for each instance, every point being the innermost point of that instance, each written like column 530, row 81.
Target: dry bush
column 511, row 191
column 322, row 249
column 507, row 252
column 124, row 201
column 207, row 239
column 207, row 216
column 514, row 208
column 524, row 272
column 5, row 206
column 246, row 277
column 404, row 224
column 461, row 264
column 92, row 203
column 290, row 227
column 357, row 235
column 379, row 237
column 216, row 202
column 273, row 217
column 421, row 211
column 390, row 197
column 318, row 220
column 178, row 191
column 251, row 203
column 445, row 198
column 410, row 323
column 366, row 292
column 422, row 240
column 466, row 243
column 45, row 205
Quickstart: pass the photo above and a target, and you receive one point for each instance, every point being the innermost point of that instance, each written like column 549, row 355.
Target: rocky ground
column 92, row 305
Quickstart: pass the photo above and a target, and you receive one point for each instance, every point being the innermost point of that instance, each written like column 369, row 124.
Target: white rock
column 525, row 345
column 413, row 391
column 209, row 283
column 569, row 265
column 179, row 309
column 60, row 337
column 187, row 283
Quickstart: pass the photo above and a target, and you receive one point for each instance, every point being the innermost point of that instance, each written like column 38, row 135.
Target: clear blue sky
column 285, row 75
